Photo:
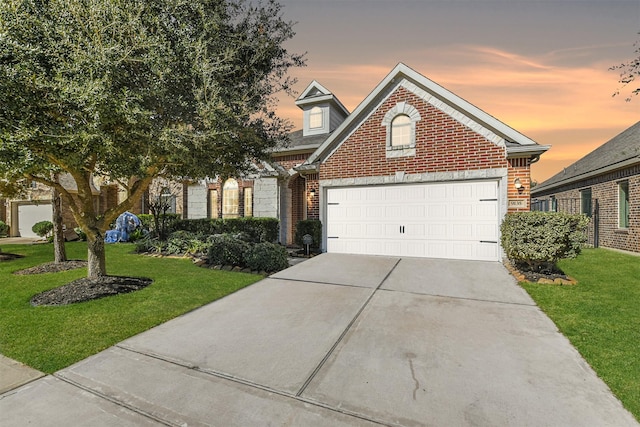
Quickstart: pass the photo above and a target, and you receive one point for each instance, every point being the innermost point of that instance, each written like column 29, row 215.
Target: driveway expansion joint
column 115, row 401
column 344, row 333
column 227, row 377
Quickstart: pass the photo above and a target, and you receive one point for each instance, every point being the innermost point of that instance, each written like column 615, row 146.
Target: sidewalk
column 14, row 374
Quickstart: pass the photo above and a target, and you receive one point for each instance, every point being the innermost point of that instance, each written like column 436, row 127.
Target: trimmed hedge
column 312, row 227
column 536, row 238
column 4, row 229
column 258, row 229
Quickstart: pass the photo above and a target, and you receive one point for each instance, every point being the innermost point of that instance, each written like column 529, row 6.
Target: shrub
column 227, row 250
column 42, row 228
column 267, row 256
column 258, row 229
column 312, row 227
column 536, row 238
column 167, row 223
column 186, row 243
column 4, row 229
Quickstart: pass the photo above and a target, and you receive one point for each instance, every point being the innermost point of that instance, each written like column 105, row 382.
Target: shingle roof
column 298, row 143
column 621, row 151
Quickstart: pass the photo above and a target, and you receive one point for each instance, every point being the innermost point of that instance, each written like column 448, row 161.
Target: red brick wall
column 604, row 189
column 520, row 169
column 313, row 203
column 442, row 145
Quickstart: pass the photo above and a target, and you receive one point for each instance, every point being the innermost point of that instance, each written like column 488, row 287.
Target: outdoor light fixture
column 517, row 184
column 312, row 193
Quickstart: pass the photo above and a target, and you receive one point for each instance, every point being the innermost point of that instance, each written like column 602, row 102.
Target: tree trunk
column 59, row 250
column 96, row 255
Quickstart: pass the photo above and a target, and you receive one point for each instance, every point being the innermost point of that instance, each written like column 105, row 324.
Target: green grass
column 51, row 338
column 601, row 317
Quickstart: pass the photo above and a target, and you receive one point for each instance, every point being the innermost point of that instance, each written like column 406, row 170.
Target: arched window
column 167, row 200
column 401, row 131
column 400, row 122
column 315, row 118
column 230, row 195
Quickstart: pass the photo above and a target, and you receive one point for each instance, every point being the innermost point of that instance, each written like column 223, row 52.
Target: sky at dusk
column 541, row 67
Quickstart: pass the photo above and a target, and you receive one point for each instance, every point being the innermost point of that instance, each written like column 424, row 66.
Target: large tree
column 137, row 88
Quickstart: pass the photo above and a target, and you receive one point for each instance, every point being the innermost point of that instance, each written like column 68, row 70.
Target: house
column 605, row 186
column 414, row 170
column 276, row 189
column 417, row 171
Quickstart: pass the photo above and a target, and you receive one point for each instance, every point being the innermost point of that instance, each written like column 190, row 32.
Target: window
column 585, row 202
column 623, row 204
column 554, row 204
column 401, row 131
column 248, row 201
column 315, row 118
column 230, row 199
column 213, row 203
column 167, row 200
column 400, row 123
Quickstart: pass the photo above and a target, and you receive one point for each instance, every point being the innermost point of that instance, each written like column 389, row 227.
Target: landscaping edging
column 520, row 277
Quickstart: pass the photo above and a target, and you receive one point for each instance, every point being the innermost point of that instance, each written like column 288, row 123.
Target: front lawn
column 51, row 338
column 601, row 316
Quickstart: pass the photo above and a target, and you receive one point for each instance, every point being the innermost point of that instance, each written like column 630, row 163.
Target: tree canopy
column 137, row 88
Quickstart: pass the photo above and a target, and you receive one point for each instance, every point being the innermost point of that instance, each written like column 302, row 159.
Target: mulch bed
column 8, row 257
column 548, row 274
column 87, row 289
column 53, row 267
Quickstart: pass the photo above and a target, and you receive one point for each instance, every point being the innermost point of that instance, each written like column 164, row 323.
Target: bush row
column 238, row 250
column 536, row 238
column 258, row 229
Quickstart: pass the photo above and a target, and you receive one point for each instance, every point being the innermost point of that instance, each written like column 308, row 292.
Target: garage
column 29, row 214
column 457, row 220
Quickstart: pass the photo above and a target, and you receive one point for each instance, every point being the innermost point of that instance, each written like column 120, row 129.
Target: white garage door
column 445, row 220
column 29, row 215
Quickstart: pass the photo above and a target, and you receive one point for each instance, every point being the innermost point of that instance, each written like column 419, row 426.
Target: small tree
column 537, row 238
column 162, row 193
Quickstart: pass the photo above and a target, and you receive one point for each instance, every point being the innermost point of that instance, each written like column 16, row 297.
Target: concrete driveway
column 339, row 341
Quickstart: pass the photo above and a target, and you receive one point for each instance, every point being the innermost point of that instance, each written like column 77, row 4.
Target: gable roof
column 621, row 151
column 515, row 143
column 316, row 93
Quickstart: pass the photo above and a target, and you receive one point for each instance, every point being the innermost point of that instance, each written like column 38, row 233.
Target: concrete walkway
column 338, row 341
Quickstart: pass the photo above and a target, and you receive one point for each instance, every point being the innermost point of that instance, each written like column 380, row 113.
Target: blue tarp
column 126, row 224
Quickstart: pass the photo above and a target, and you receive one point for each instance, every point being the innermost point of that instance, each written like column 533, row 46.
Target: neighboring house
column 22, row 214
column 604, row 185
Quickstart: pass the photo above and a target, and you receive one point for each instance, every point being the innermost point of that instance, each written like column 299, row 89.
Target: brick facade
column 604, row 190
column 442, row 145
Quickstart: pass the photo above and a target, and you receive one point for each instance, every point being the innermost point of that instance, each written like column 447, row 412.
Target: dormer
column 322, row 111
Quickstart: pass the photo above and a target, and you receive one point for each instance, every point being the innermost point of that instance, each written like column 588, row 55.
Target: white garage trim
column 458, row 220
